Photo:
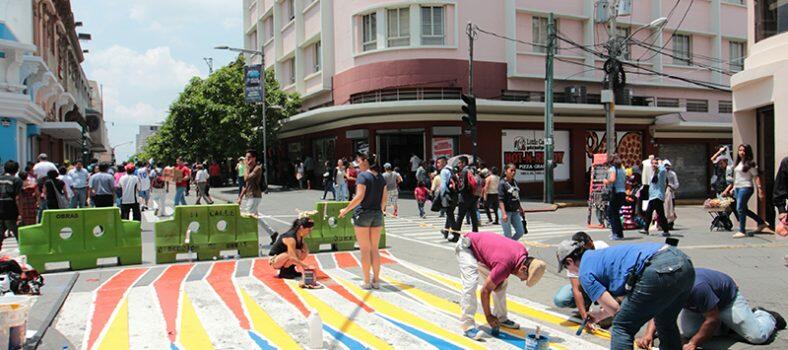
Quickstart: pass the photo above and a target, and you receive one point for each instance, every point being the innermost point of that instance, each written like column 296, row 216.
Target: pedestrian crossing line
column 117, row 335
column 107, row 300
column 263, row 324
column 168, row 287
column 191, row 333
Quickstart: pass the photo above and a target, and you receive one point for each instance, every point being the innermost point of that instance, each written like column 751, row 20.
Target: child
column 421, row 196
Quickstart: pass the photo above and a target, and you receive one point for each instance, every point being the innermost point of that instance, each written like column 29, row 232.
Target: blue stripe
column 174, row 347
column 511, row 339
column 349, row 342
column 262, row 343
column 433, row 340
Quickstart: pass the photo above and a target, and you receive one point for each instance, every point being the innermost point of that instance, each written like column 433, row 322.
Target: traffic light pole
column 548, row 111
column 474, row 137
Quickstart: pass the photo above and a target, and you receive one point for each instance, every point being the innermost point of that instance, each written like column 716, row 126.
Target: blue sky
column 143, row 52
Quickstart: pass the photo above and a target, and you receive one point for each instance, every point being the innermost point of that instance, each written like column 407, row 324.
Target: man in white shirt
column 415, row 161
column 202, row 184
column 647, row 172
column 130, row 187
column 571, row 296
column 79, row 177
column 43, row 166
column 144, row 174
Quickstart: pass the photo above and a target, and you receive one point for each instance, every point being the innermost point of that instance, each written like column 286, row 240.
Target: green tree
column 211, row 120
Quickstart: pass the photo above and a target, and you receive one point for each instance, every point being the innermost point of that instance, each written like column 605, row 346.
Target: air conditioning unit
column 602, row 11
column 576, row 94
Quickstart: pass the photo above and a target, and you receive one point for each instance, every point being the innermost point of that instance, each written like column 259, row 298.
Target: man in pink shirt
column 494, row 257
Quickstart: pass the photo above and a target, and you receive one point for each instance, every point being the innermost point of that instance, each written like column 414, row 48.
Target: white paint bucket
column 13, row 321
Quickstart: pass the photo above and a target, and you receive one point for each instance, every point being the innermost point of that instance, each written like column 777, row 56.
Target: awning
column 694, row 125
column 68, row 131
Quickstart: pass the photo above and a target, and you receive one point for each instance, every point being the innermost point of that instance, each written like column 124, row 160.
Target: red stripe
column 336, row 287
column 263, row 272
column 107, row 298
column 168, row 290
column 384, row 254
column 345, row 260
column 221, row 279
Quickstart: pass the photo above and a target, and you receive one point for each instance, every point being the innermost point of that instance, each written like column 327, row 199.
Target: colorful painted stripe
column 340, row 322
column 263, row 271
column 108, row 298
column 168, row 289
column 221, row 280
column 117, row 336
column 328, row 282
column 264, row 325
column 345, row 260
column 442, row 339
column 384, row 257
column 192, row 334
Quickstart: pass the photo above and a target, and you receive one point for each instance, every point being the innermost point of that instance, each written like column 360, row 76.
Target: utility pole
column 265, row 122
column 613, row 74
column 548, row 111
column 474, row 136
column 209, row 62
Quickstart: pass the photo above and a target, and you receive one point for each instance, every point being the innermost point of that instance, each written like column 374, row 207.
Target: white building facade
column 144, row 133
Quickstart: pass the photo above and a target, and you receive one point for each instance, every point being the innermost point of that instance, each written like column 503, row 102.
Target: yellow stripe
column 266, row 326
column 522, row 309
column 339, row 321
column 117, row 336
column 406, row 317
column 192, row 334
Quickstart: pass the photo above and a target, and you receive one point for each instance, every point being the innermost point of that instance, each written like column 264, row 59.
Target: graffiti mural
column 629, row 148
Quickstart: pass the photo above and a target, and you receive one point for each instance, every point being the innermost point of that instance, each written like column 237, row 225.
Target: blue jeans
column 421, row 207
column 755, row 327
column 614, row 213
column 79, row 199
column 513, row 220
column 180, row 198
column 240, row 183
column 743, row 195
column 564, row 298
column 341, row 192
column 659, row 293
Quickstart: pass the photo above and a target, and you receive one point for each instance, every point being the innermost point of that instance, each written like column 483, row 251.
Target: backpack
column 478, row 185
column 156, row 180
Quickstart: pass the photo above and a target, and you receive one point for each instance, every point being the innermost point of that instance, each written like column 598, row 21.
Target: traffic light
column 469, row 108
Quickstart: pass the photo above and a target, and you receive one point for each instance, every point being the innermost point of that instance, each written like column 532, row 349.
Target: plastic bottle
column 315, row 330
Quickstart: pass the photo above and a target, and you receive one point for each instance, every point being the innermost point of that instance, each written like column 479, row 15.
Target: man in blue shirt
column 656, row 198
column 79, row 177
column 655, row 278
column 714, row 300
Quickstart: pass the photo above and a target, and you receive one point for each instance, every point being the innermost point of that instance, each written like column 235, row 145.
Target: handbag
column 62, row 203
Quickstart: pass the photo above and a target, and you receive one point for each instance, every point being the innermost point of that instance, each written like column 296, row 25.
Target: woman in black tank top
column 289, row 249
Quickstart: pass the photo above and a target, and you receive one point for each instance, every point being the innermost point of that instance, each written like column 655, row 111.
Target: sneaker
column 665, row 234
column 445, row 233
column 739, row 235
column 473, row 333
column 366, row 286
column 510, row 324
column 779, row 320
column 289, row 273
column 375, row 285
column 615, row 238
column 454, row 238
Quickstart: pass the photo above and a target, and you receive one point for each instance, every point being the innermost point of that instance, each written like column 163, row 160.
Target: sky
column 143, row 52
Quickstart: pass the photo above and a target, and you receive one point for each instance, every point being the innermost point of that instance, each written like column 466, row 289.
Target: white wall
column 18, row 17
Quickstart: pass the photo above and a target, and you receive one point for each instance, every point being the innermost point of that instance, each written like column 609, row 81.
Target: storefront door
column 397, row 148
column 764, row 154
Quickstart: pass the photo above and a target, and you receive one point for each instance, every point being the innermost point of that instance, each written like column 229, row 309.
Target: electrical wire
column 508, row 38
column 674, row 30
column 667, row 19
column 690, row 62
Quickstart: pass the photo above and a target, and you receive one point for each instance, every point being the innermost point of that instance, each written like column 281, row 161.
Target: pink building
column 387, row 75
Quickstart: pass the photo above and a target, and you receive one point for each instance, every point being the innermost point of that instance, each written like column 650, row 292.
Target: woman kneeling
column 289, row 249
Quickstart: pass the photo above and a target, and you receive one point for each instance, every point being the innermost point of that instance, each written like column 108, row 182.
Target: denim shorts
column 368, row 218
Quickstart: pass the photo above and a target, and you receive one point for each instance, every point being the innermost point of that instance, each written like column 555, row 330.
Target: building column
column 415, row 25
column 380, row 24
column 716, row 41
column 300, row 51
column 589, row 34
column 656, row 12
column 510, row 20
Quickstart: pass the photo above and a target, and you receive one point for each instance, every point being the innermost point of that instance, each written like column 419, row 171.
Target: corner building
column 386, row 76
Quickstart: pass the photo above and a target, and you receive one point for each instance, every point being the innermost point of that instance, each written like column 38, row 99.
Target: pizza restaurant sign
column 525, row 149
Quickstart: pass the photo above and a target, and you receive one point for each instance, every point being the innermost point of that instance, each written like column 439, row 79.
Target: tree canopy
column 211, row 120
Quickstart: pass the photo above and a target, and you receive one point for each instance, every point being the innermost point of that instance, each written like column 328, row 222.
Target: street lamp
column 116, row 146
column 265, row 137
column 659, row 22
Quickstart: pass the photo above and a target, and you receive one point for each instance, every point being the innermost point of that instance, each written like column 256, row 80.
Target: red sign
column 442, row 146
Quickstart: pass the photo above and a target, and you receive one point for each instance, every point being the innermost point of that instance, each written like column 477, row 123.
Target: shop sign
column 442, row 146
column 525, row 149
column 254, row 87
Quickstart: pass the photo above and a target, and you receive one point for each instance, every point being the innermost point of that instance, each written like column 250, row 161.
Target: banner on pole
column 254, row 84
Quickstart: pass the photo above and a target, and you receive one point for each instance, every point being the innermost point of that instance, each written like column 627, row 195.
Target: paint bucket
column 532, row 342
column 13, row 321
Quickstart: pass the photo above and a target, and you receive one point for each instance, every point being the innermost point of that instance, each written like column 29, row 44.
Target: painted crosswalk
column 427, row 230
column 240, row 304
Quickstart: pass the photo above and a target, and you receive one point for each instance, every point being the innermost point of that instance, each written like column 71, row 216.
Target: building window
column 268, row 28
column 318, row 59
column 725, row 107
column 697, row 106
column 667, row 102
column 290, row 9
column 370, row 32
column 432, row 25
column 771, row 18
column 736, row 56
column 290, row 69
column 682, row 49
column 539, row 33
column 253, row 40
column 737, row 2
column 398, row 22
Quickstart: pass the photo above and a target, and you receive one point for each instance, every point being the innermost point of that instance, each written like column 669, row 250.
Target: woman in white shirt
column 745, row 180
column 202, row 184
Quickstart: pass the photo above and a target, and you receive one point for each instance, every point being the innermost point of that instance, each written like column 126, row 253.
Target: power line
column 689, row 61
column 508, row 38
column 667, row 18
column 674, row 30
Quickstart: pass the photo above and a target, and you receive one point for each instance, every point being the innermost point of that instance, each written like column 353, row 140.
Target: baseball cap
column 666, row 162
column 535, row 272
column 387, row 166
column 42, row 156
column 565, row 248
column 129, row 166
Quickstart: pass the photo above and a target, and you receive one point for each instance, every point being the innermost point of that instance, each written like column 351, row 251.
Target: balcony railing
column 407, row 94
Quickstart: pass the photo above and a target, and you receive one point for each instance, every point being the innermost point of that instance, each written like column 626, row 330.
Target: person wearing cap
column 655, row 279
column 43, row 166
column 393, row 179
column 670, row 193
column 289, row 249
column 571, row 295
column 723, row 171
column 656, row 198
column 494, row 257
column 129, row 188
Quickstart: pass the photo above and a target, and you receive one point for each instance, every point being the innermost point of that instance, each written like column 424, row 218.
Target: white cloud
column 232, row 23
column 152, row 70
column 137, row 11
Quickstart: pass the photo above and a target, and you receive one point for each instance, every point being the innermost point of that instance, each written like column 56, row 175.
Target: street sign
column 254, row 84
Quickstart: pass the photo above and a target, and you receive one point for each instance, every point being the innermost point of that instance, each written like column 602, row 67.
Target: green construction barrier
column 331, row 229
column 213, row 229
column 81, row 237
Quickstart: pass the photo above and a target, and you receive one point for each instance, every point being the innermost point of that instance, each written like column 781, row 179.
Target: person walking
column 28, row 204
column 10, row 200
column 745, row 181
column 340, row 181
column 300, row 173
column 368, row 206
column 101, row 187
column 616, row 181
column 490, row 194
column 393, row 179
column 63, row 176
column 509, row 204
column 79, row 182
column 309, row 171
column 780, row 198
column 656, row 279
column 251, row 197
column 670, row 194
column 181, row 176
column 466, row 201
column 54, row 191
column 130, row 191
column 240, row 169
column 143, row 173
column 447, row 195
column 656, row 198
column 421, row 194
column 414, row 164
column 435, row 188
column 328, row 180
column 491, row 258
column 201, row 179
column 159, row 189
